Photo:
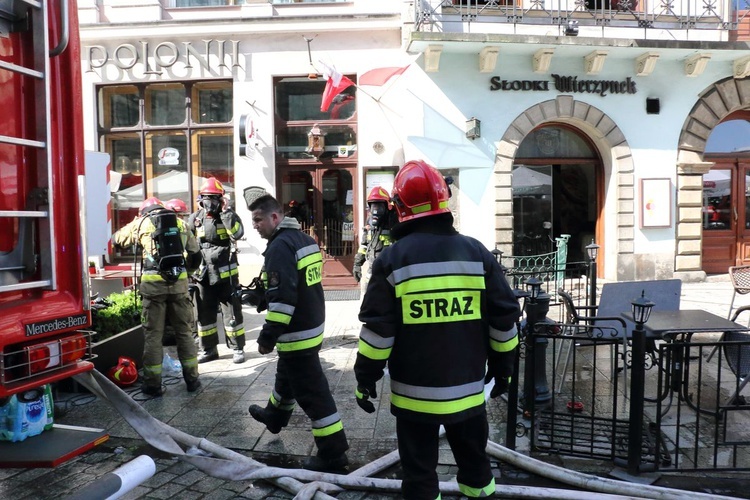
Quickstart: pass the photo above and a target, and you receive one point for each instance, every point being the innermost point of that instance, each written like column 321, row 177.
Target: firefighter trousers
column 208, row 299
column 301, row 378
column 418, row 448
column 156, row 309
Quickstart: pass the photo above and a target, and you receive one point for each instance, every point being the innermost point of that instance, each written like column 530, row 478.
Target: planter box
column 127, row 343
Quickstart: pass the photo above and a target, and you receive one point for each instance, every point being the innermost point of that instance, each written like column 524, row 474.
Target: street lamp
column 592, row 250
column 534, row 288
column 535, row 386
column 641, row 310
column 510, row 428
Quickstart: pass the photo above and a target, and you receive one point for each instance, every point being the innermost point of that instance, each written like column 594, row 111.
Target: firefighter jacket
column 437, row 307
column 374, row 240
column 216, row 237
column 139, row 232
column 292, row 274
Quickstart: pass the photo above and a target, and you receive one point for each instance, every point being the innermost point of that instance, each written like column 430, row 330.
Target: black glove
column 364, row 393
column 501, row 383
column 501, row 386
column 357, row 271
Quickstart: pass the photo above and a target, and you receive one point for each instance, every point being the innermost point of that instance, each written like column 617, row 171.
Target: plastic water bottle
column 171, row 367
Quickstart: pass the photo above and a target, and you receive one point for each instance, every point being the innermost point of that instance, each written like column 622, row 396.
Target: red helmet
column 419, row 191
column 211, row 186
column 378, row 194
column 176, row 205
column 149, row 203
column 124, row 373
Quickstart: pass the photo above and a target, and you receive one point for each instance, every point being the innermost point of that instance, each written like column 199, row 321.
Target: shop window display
column 163, row 138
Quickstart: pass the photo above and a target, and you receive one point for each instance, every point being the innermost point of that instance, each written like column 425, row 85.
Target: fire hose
column 230, row 465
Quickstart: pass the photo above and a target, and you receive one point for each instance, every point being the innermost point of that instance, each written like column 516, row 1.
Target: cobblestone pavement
column 218, row 412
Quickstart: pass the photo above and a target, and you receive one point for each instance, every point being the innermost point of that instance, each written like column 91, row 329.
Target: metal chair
column 740, row 277
column 588, row 324
column 737, row 356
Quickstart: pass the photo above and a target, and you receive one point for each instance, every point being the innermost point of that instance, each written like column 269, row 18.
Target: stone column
column 689, row 229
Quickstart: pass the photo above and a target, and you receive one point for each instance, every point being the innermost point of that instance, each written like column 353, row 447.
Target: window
column 297, row 103
column 164, row 138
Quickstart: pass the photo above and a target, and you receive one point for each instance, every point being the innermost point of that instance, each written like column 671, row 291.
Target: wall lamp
column 315, row 141
column 473, row 128
column 571, row 29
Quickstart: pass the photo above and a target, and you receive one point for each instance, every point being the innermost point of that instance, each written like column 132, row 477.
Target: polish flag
column 336, row 83
column 379, row 76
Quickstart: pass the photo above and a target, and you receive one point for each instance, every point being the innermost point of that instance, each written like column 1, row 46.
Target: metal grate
column 341, row 294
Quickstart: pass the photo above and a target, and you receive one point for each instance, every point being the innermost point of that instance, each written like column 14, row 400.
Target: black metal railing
column 460, row 15
column 696, row 413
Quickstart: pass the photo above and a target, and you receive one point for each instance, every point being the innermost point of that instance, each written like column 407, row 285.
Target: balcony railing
column 171, row 4
column 460, row 15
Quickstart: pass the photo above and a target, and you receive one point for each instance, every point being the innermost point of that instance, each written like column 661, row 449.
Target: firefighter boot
column 320, row 464
column 274, row 419
column 238, row 356
column 209, row 354
column 190, row 374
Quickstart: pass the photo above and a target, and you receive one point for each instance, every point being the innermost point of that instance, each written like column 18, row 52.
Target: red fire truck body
column 44, row 298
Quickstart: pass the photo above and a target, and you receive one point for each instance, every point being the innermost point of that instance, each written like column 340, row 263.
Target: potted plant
column 116, row 322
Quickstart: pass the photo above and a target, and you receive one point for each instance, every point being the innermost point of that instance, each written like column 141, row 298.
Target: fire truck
column 44, row 291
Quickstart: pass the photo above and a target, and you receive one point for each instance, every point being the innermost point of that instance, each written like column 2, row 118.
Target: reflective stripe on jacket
column 215, row 237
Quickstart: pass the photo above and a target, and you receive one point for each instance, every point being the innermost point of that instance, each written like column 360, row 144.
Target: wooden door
column 726, row 216
column 321, row 198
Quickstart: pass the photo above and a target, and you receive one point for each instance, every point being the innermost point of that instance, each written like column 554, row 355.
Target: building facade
column 567, row 118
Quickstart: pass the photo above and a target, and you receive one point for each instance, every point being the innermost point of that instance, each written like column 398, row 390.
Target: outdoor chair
column 740, row 277
column 615, row 299
column 592, row 326
column 737, row 357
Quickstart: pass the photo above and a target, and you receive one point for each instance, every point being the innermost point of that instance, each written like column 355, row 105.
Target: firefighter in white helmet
column 438, row 310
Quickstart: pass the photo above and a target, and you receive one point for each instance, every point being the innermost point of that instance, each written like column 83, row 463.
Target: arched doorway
column 726, row 196
column 555, row 180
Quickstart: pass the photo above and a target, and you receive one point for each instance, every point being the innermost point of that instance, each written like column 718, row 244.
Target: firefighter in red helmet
column 170, row 252
column 438, row 311
column 376, row 235
column 218, row 228
column 177, row 205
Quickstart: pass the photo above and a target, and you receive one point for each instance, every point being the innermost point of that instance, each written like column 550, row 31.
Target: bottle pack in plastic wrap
column 171, row 367
column 28, row 413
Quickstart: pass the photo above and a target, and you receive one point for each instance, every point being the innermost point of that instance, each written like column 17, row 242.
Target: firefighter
column 440, row 313
column 292, row 274
column 170, row 251
column 376, row 236
column 178, row 206
column 217, row 228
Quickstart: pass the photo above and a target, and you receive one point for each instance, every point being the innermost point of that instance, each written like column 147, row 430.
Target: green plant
column 119, row 315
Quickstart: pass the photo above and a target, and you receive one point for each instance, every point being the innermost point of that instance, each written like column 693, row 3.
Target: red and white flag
column 336, row 83
column 379, row 76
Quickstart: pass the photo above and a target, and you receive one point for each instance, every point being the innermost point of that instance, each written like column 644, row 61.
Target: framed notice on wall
column 656, row 203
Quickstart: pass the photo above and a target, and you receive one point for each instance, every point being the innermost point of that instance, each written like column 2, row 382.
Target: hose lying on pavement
column 230, row 465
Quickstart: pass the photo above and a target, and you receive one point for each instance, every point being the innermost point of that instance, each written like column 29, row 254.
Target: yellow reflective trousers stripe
column 328, row 430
